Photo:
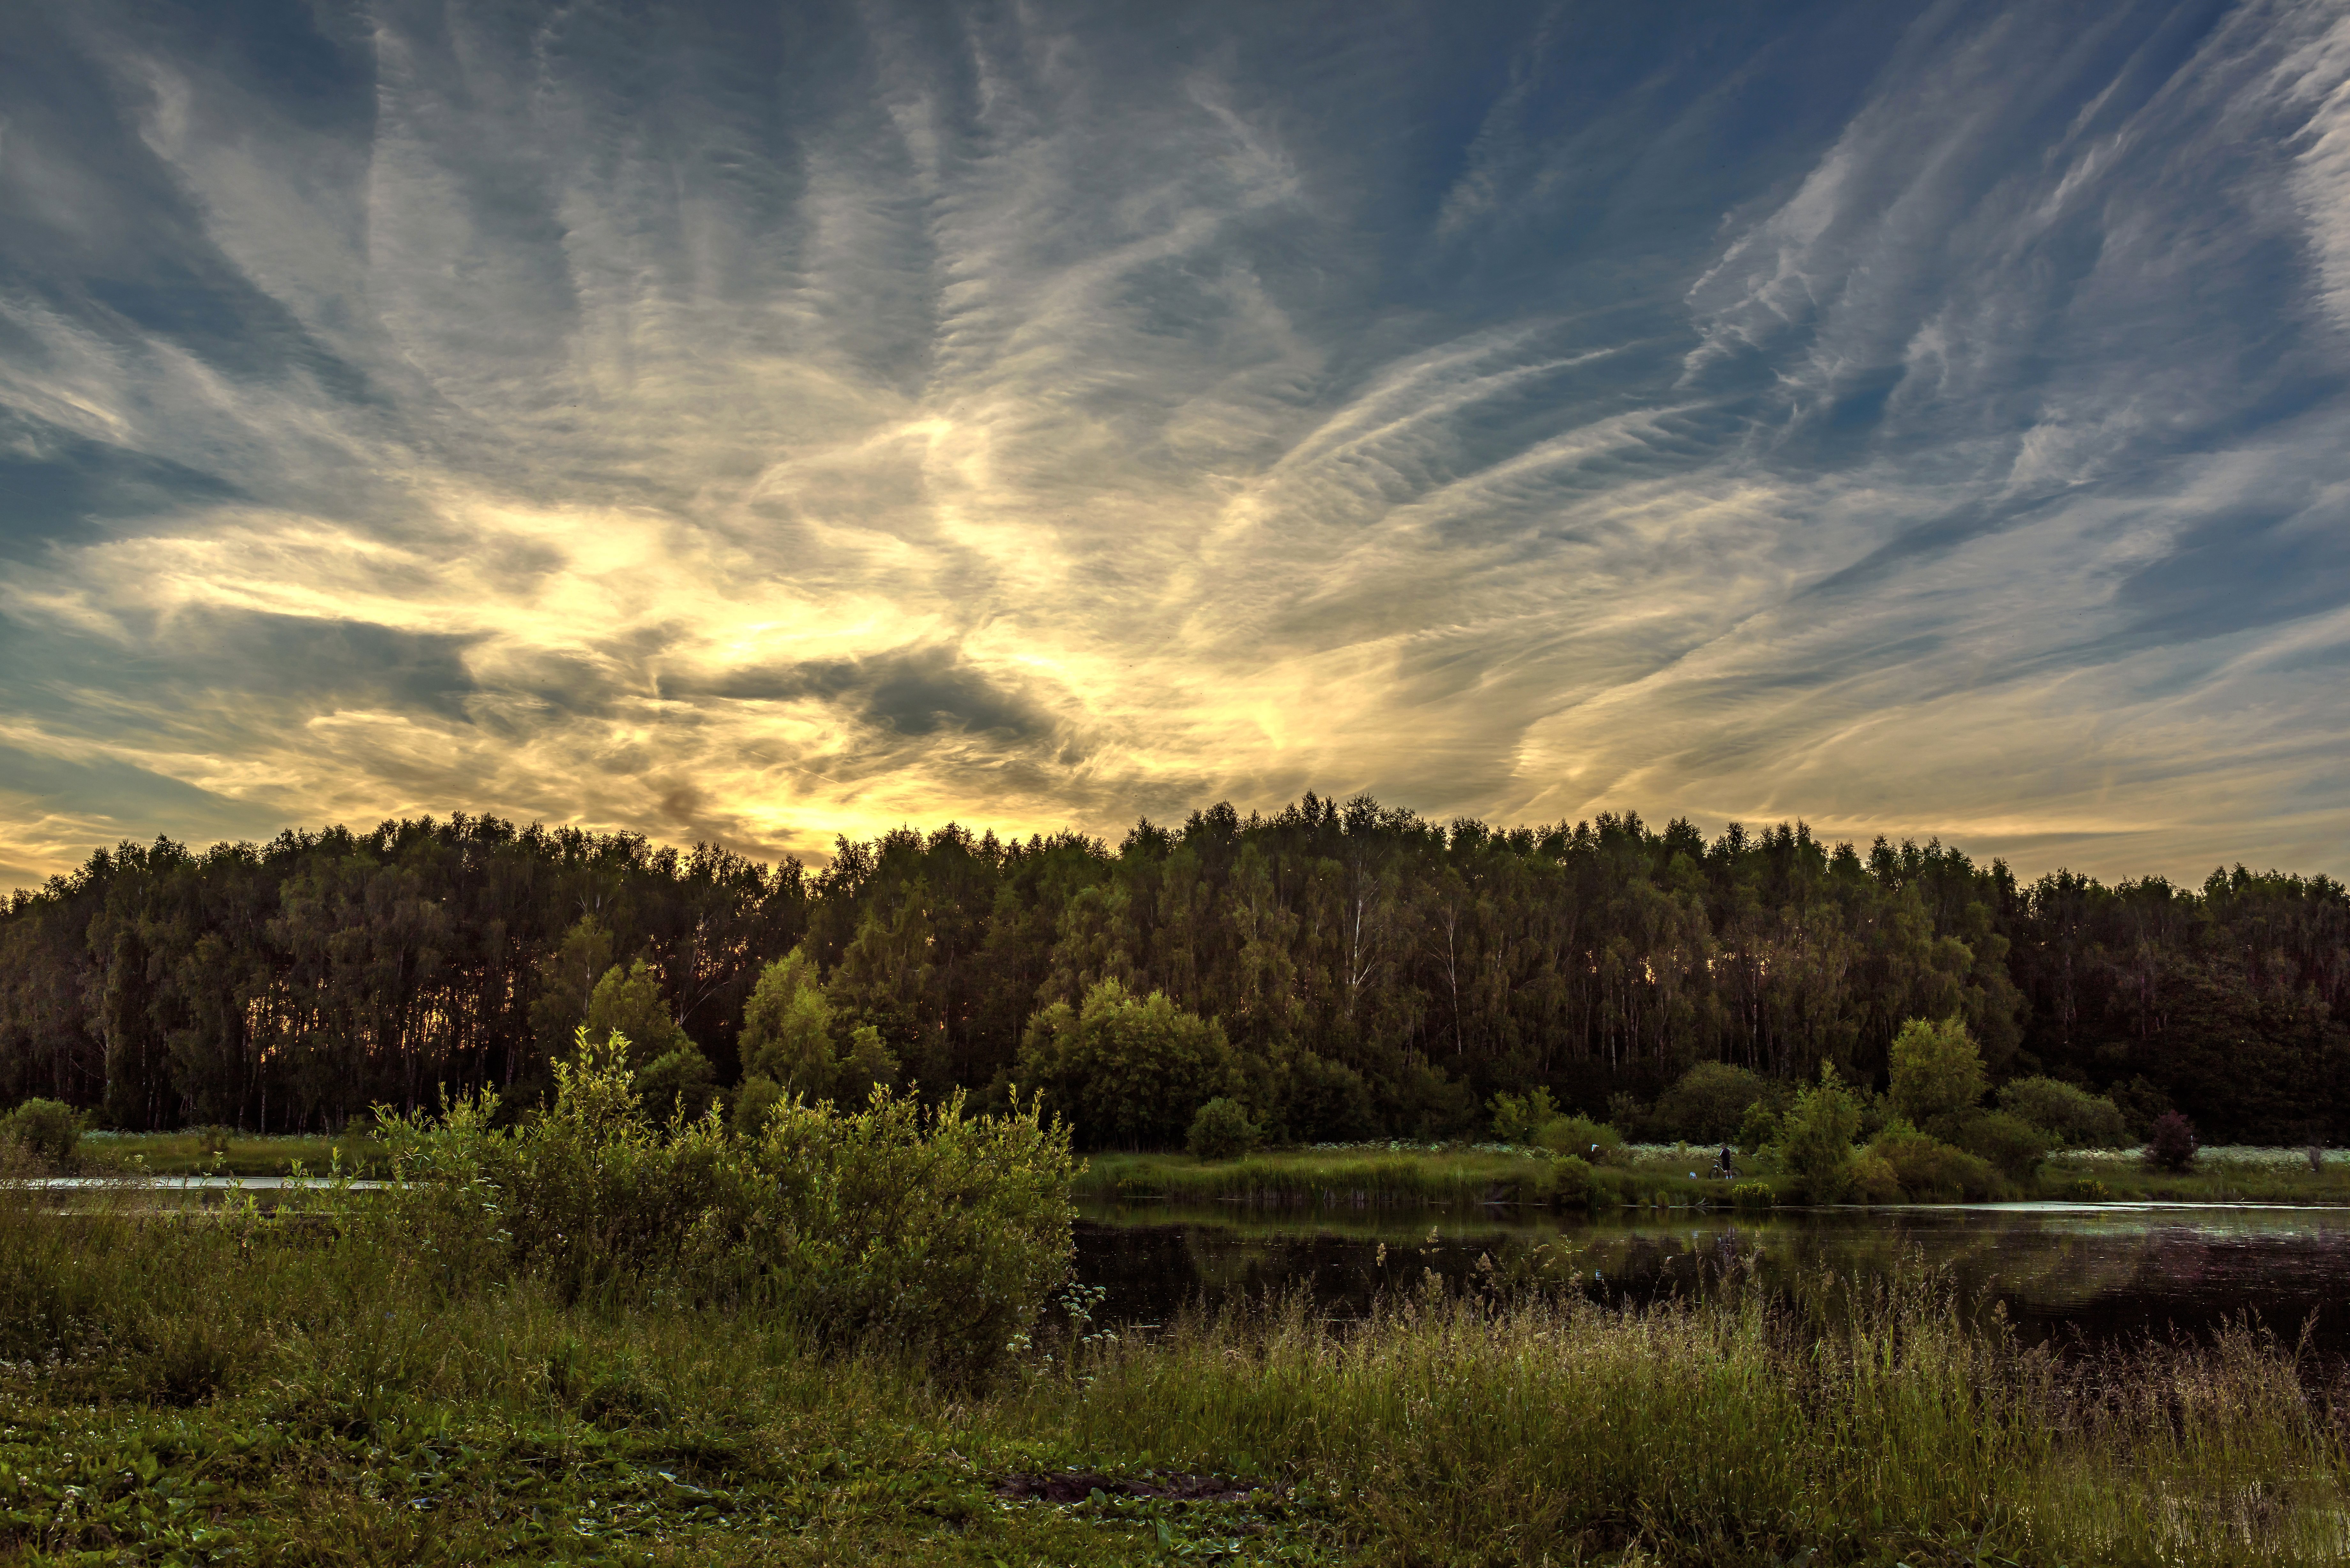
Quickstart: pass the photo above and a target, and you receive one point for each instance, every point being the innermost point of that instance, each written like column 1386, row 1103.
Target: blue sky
column 756, row 422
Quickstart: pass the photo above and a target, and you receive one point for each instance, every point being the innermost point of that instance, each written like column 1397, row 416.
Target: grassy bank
column 242, row 1389
column 197, row 1152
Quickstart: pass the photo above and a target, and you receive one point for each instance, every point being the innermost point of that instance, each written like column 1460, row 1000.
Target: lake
column 2101, row 1271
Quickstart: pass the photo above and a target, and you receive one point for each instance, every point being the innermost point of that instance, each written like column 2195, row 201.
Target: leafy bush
column 1752, row 1195
column 1937, row 1069
column 2073, row 1117
column 938, row 1230
column 1872, row 1180
column 2172, row 1146
column 1815, row 1139
column 1328, row 1102
column 48, row 1131
column 1579, row 1136
column 1709, row 1104
column 1128, row 1071
column 1758, row 1128
column 1220, row 1130
column 1570, row 1181
column 753, row 1102
column 2009, row 1142
column 1929, row 1170
column 680, row 1084
column 1519, row 1118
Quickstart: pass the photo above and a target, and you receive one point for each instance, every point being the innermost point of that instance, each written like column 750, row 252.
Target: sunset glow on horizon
column 756, row 424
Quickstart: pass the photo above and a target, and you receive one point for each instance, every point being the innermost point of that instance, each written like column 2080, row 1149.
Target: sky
column 754, row 423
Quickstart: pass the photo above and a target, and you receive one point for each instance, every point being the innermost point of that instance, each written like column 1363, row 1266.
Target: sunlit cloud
column 773, row 422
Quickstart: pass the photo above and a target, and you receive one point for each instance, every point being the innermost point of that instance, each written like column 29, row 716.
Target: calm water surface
column 2097, row 1270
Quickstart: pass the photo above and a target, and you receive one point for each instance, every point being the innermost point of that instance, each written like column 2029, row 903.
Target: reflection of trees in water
column 2054, row 1272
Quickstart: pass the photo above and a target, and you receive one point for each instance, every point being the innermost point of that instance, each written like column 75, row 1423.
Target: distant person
column 1729, row 1171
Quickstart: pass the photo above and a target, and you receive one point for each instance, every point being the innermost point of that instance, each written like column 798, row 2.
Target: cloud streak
column 771, row 422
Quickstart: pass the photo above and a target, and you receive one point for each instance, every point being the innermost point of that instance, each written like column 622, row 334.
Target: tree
column 680, row 1083
column 567, row 981
column 2073, row 1117
column 629, row 1002
column 1219, row 1130
column 1936, row 1069
column 871, row 1065
column 1708, row 1103
column 1127, row 1071
column 787, row 1025
column 1816, row 1136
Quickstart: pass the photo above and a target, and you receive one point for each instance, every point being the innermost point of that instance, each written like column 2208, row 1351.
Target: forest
column 1344, row 971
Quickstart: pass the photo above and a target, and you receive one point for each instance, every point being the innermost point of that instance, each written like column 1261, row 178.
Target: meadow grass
column 196, row 1151
column 237, row 1387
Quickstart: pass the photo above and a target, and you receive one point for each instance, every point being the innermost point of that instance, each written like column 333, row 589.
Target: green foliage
column 2072, row 1116
column 281, row 987
column 787, row 1026
column 1937, row 1069
column 2012, row 1144
column 753, row 1102
column 629, row 1002
column 1571, row 1181
column 1128, row 1071
column 48, row 1131
column 1519, row 1118
column 1578, row 1136
column 935, row 1230
column 1816, row 1136
column 680, row 1084
column 1928, row 1170
column 868, row 1066
column 1871, row 1178
column 1323, row 1101
column 1709, row 1104
column 1758, row 1128
column 1752, row 1195
column 1220, row 1130
column 566, row 977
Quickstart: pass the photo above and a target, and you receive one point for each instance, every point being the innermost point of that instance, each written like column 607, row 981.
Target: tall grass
column 1735, row 1430
column 227, row 1386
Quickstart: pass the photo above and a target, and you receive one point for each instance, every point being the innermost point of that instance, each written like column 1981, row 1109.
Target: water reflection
column 2097, row 1270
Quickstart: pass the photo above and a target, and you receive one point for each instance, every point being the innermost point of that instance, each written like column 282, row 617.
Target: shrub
column 1752, row 1195
column 938, row 1230
column 1519, row 1118
column 2087, row 1189
column 679, row 1084
column 211, row 1141
column 1758, row 1128
column 1127, row 1070
column 1872, row 1180
column 1929, row 1170
column 1815, row 1142
column 1579, row 1136
column 2072, row 1116
column 752, row 1104
column 48, row 1130
column 1328, row 1102
column 2172, row 1146
column 1570, row 1181
column 1710, row 1103
column 1220, row 1130
column 2009, row 1142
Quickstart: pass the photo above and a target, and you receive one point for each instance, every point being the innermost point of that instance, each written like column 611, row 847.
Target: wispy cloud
column 769, row 421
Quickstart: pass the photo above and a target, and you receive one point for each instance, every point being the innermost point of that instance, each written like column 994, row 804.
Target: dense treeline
column 1365, row 970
